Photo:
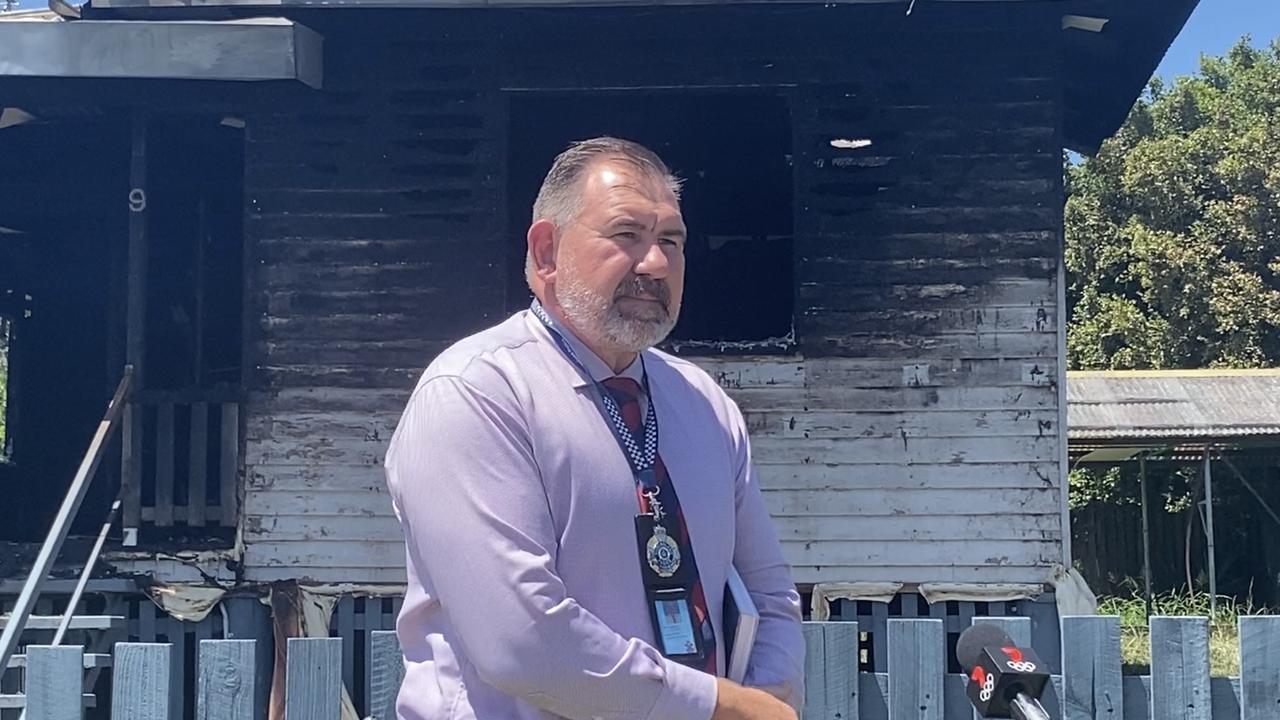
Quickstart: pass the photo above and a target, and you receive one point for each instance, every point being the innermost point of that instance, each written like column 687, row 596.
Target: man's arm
column 777, row 660
column 477, row 524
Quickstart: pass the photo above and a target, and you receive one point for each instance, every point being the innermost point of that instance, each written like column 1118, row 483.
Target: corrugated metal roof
column 1173, row 404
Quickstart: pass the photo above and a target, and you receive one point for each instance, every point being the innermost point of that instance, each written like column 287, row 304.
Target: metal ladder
column 100, row 627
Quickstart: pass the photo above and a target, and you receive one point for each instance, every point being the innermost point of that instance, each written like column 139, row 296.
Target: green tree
column 1173, row 228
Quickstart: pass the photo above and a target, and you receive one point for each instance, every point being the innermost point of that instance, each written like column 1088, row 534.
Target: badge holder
column 668, row 593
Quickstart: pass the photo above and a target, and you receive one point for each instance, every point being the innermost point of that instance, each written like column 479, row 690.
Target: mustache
column 639, row 285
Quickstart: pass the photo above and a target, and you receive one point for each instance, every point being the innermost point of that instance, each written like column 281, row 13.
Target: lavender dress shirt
column 525, row 597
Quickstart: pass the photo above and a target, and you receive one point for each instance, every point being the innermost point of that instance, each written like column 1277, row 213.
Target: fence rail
column 916, row 687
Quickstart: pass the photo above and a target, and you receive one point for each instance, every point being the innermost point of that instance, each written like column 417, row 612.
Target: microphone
column 1005, row 681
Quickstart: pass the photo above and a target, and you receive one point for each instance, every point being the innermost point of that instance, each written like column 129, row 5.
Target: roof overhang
column 236, row 50
column 1112, row 48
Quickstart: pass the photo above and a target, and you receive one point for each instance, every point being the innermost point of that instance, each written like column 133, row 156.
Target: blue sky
column 1215, row 26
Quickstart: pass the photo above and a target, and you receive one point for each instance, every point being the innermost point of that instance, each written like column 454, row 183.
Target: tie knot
column 623, row 389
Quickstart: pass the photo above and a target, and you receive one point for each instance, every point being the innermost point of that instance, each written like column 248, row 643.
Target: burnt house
column 278, row 214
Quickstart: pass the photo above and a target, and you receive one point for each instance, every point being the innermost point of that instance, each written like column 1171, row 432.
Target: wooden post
column 1146, row 531
column 176, row 631
column 165, row 447
column 201, row 234
column 313, row 684
column 227, row 684
column 199, row 464
column 140, row 681
column 55, row 683
column 1091, row 668
column 345, row 614
column 135, row 328
column 1208, row 533
column 386, row 675
column 1180, row 668
column 230, row 464
column 131, row 473
column 916, row 668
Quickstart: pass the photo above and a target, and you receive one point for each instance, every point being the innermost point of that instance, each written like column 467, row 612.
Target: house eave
column 259, row 49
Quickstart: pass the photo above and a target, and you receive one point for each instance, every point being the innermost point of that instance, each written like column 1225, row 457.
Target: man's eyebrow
column 627, row 221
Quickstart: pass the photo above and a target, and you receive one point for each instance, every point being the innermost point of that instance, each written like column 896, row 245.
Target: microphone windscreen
column 975, row 638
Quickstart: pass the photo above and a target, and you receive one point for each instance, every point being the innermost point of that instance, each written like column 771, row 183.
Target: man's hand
column 781, row 692
column 736, row 702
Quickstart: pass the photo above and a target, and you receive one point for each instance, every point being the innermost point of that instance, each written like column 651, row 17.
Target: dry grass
column 1135, row 640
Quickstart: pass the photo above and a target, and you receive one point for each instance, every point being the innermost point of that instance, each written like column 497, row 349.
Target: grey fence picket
column 313, row 679
column 814, row 662
column 55, row 682
column 1180, row 668
column 916, row 667
column 1092, row 687
column 840, row 644
column 227, row 683
column 142, row 681
column 1259, row 667
column 831, row 671
column 915, row 688
column 386, row 675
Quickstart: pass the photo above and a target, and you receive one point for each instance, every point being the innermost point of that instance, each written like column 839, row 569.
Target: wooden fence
column 916, row 687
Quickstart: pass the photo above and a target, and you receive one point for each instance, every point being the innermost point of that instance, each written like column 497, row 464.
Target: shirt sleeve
column 777, row 659
column 479, row 531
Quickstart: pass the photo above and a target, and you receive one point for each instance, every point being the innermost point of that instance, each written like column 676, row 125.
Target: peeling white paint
column 850, row 144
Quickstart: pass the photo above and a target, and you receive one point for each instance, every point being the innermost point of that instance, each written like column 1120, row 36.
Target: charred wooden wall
column 911, row 434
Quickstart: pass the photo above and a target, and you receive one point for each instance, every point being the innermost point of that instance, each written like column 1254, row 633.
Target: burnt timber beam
column 239, row 50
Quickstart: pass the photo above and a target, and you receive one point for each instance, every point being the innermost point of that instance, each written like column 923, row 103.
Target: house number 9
column 137, row 200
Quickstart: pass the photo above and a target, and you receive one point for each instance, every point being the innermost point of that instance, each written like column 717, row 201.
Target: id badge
column 674, row 624
column 668, row 593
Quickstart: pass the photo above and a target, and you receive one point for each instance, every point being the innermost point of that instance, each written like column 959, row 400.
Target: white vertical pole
column 1208, row 531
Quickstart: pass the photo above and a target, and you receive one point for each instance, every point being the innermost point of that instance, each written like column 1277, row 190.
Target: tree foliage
column 1173, row 228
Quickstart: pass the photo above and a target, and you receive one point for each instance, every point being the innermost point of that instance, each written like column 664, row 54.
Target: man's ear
column 542, row 247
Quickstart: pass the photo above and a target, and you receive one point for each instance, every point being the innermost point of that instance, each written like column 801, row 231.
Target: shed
column 1224, row 423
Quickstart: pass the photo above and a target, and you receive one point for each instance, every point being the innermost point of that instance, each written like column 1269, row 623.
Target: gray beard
column 598, row 316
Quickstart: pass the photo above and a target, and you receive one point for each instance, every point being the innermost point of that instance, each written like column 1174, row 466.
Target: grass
column 1135, row 640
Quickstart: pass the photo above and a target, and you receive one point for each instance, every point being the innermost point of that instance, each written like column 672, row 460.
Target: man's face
column 620, row 266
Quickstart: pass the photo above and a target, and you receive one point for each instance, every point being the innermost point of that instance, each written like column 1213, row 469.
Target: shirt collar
column 599, row 369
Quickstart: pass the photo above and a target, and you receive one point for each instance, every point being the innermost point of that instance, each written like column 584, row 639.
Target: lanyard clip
column 648, row 479
column 655, row 506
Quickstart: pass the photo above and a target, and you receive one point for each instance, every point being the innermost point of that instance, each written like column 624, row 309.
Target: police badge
column 663, row 553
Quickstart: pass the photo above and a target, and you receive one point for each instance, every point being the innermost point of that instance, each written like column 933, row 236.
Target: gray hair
column 560, row 199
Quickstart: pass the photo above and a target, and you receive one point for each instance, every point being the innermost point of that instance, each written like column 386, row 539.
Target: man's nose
column 654, row 262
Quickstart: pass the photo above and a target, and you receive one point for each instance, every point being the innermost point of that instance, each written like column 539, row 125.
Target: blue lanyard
column 641, row 457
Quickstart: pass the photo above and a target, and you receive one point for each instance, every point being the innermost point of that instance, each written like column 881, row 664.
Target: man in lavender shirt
column 518, row 504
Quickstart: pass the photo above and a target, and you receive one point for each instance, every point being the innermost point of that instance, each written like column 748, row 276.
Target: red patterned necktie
column 626, row 392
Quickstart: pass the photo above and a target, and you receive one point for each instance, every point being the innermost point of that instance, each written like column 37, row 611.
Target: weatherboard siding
column 909, row 434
